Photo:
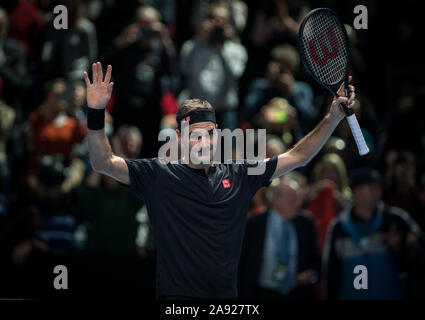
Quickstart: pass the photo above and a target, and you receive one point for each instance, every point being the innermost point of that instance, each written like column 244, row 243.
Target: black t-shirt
column 198, row 222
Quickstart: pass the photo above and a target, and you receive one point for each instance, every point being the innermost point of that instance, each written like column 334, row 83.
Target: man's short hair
column 295, row 179
column 365, row 175
column 148, row 8
column 190, row 105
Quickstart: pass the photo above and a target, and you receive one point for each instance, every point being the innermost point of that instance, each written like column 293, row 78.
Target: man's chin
column 201, row 160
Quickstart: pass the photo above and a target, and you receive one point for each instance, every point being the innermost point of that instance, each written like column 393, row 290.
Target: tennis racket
column 325, row 52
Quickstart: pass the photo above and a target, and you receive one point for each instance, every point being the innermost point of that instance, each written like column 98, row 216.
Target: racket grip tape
column 358, row 135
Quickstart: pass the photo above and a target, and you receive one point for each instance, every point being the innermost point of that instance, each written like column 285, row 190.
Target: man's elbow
column 300, row 160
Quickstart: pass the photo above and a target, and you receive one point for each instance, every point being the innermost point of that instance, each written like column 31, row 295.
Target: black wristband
column 95, row 118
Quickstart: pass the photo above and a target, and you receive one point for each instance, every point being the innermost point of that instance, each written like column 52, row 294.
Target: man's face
column 368, row 195
column 287, row 200
column 219, row 16
column 147, row 18
column 148, row 22
column 131, row 144
column 202, row 139
column 330, row 172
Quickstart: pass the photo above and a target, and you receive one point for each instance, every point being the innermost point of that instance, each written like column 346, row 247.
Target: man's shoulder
column 400, row 216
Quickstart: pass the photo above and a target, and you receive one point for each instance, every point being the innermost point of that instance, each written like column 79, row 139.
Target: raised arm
column 310, row 145
column 101, row 157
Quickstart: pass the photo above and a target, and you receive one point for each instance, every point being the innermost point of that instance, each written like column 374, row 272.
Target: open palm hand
column 99, row 92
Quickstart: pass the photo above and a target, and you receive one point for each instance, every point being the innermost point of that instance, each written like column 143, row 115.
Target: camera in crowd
column 144, row 33
column 217, row 36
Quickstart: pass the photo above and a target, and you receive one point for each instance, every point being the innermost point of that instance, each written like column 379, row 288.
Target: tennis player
column 198, row 211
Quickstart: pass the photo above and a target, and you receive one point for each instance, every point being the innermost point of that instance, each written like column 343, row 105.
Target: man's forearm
column 100, row 151
column 311, row 144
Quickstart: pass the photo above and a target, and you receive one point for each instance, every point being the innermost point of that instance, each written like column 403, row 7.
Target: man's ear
column 216, row 125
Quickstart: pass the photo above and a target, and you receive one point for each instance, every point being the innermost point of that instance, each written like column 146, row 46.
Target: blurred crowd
column 339, row 211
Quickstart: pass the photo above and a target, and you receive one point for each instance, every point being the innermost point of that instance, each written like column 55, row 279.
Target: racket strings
column 325, row 48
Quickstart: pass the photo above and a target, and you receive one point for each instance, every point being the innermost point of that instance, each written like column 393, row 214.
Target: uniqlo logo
column 226, row 183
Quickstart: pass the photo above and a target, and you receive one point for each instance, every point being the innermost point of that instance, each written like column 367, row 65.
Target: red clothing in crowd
column 50, row 137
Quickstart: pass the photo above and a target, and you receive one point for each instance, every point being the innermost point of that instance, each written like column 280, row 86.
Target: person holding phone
column 212, row 63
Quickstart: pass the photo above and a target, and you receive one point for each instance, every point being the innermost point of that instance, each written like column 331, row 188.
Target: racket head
column 324, row 48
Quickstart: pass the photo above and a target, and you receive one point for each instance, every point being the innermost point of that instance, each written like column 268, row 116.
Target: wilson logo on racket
column 324, row 40
column 225, row 183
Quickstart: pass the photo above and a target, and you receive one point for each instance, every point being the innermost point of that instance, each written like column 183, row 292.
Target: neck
column 206, row 167
column 285, row 214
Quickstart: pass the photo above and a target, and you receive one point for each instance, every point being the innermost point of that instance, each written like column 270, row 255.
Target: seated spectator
column 50, row 190
column 329, row 192
column 280, row 82
column 280, row 258
column 143, row 57
column 371, row 233
column 212, row 63
column 402, row 188
column 53, row 128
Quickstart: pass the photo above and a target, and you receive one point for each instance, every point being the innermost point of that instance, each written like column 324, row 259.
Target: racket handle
column 357, row 134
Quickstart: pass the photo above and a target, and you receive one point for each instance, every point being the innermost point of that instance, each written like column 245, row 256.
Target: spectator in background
column 237, row 8
column 336, row 145
column 370, row 233
column 280, row 82
column 402, row 189
column 7, row 118
column 54, row 127
column 329, row 192
column 274, row 22
column 212, row 63
column 51, row 189
column 13, row 69
column 167, row 10
column 277, row 21
column 144, row 59
column 67, row 53
column 27, row 26
column 278, row 117
column 280, row 258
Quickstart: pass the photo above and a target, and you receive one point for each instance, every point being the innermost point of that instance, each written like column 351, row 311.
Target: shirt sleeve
column 142, row 176
column 259, row 173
